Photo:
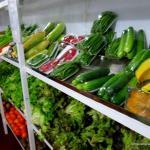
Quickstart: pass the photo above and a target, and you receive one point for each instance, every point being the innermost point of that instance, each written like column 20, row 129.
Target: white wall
column 79, row 14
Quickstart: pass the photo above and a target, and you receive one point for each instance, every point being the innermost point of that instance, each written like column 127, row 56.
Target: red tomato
column 19, row 116
column 13, row 125
column 23, row 127
column 12, row 116
column 18, row 124
column 12, row 109
column 10, row 121
column 16, row 112
column 16, row 121
column 24, row 134
column 21, row 120
column 11, row 113
column 7, row 115
column 17, row 132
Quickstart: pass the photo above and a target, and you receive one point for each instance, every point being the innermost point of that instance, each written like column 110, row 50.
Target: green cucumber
column 131, row 54
column 141, row 41
column 133, row 82
column 106, row 97
column 56, row 32
column 103, row 88
column 120, row 52
column 95, row 84
column 92, row 74
column 138, row 59
column 120, row 82
column 49, row 27
column 129, row 43
column 121, row 96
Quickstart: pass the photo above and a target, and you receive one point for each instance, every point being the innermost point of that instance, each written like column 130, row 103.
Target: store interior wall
column 79, row 14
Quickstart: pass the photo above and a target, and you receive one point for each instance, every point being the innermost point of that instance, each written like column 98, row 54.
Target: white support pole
column 2, row 113
column 15, row 26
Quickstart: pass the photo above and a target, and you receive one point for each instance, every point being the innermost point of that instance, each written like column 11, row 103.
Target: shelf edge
column 123, row 119
column 16, row 64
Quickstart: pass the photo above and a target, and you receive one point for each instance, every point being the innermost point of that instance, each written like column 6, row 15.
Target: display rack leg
column 3, row 115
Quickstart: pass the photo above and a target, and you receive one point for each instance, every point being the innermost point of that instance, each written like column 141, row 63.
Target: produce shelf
column 34, row 127
column 3, row 4
column 15, row 136
column 113, row 111
column 15, row 63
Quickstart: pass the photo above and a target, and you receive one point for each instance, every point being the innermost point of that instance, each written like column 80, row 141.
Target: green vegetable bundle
column 89, row 48
column 65, row 70
column 104, row 22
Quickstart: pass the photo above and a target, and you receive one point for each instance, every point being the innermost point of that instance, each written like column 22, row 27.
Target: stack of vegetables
column 15, row 120
column 79, row 128
column 128, row 45
column 96, row 41
column 39, row 46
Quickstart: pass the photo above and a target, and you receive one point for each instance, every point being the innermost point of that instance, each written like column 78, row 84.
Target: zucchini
column 33, row 40
column 31, row 30
column 119, row 83
column 129, row 43
column 49, row 27
column 104, row 87
column 120, row 52
column 138, row 59
column 106, row 97
column 37, row 49
column 141, row 41
column 92, row 74
column 133, row 82
column 121, row 96
column 95, row 84
column 56, row 32
column 132, row 53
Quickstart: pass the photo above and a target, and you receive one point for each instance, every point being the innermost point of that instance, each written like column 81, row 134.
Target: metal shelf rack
column 114, row 112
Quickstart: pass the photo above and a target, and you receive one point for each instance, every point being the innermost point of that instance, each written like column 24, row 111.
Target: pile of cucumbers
column 115, row 90
column 128, row 45
column 91, row 80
